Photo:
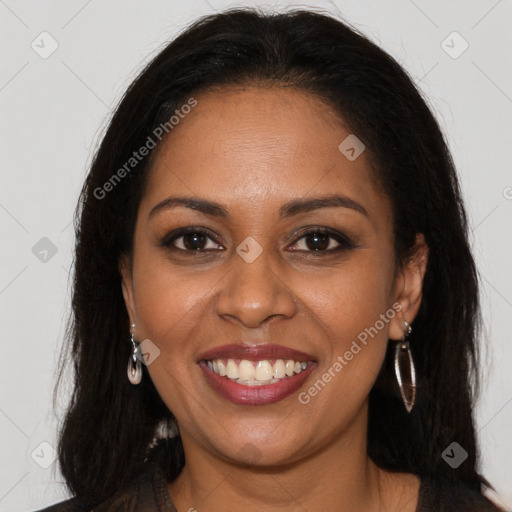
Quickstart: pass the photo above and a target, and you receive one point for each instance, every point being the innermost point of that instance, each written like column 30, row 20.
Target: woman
column 272, row 237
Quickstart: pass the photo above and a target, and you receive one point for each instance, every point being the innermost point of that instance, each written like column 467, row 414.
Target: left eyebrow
column 307, row 205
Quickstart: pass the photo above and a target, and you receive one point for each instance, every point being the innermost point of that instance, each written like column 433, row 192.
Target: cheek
column 170, row 312
column 352, row 297
column 169, row 300
column 352, row 307
column 168, row 303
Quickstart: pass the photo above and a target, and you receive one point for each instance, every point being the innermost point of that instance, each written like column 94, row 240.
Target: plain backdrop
column 54, row 107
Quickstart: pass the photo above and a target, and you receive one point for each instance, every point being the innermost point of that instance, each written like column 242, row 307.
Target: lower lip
column 255, row 395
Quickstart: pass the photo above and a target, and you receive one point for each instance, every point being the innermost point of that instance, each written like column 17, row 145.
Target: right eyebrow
column 203, row 205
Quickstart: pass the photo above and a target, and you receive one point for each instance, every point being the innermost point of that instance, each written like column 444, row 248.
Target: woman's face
column 278, row 264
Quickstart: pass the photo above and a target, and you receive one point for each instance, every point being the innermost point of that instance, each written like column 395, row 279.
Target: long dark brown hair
column 109, row 423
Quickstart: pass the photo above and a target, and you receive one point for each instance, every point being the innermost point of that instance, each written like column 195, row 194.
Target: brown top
column 150, row 494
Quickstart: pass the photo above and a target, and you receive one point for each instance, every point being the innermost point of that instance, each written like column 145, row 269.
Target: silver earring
column 404, row 370
column 134, row 369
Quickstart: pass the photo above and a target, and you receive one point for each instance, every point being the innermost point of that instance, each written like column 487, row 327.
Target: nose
column 253, row 293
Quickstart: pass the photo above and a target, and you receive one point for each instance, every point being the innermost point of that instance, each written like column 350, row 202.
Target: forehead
column 246, row 145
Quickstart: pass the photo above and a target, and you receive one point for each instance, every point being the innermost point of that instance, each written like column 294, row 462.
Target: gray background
column 54, row 110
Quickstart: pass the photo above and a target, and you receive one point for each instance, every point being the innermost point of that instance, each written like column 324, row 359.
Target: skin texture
column 252, row 150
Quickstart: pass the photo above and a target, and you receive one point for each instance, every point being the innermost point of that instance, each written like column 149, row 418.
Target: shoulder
column 145, row 494
column 123, row 501
column 69, row 505
column 441, row 495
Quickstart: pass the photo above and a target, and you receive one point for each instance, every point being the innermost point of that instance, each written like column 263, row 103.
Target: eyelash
column 345, row 243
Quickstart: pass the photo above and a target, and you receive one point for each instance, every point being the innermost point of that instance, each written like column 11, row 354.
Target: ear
column 408, row 287
column 125, row 269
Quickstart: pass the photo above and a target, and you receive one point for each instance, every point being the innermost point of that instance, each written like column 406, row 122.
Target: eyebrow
column 306, row 205
column 289, row 209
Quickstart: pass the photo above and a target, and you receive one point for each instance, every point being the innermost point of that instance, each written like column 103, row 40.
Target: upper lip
column 254, row 352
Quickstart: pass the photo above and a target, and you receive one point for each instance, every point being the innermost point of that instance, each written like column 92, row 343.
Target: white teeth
column 263, row 370
column 232, row 369
column 279, row 369
column 253, row 382
column 246, row 370
column 256, row 373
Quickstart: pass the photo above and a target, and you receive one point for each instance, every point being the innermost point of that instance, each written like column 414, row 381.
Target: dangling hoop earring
column 404, row 369
column 134, row 369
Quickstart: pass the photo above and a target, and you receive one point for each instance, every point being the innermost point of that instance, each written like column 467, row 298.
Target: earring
column 404, row 370
column 134, row 369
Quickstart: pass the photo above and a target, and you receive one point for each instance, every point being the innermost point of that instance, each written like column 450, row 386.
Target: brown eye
column 317, row 241
column 190, row 240
column 322, row 241
column 194, row 241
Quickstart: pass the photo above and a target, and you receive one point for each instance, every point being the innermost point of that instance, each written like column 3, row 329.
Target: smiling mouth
column 256, row 373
